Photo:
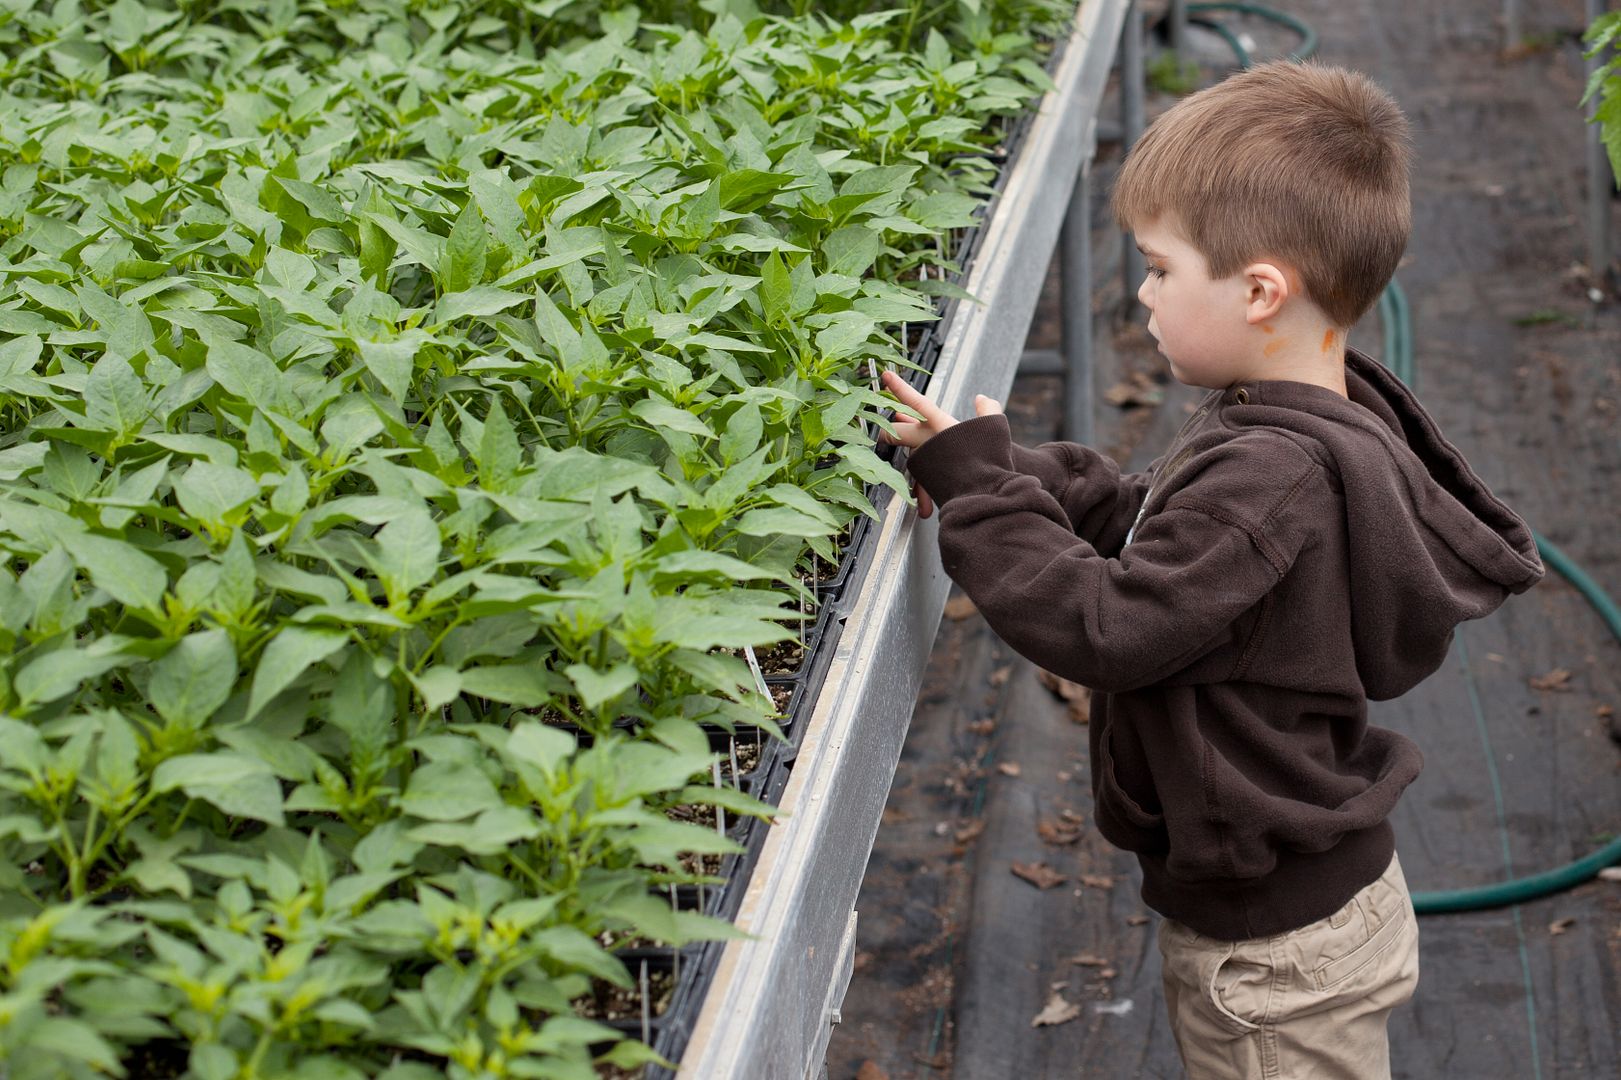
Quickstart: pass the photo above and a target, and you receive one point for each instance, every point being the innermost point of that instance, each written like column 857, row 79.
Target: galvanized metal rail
column 769, row 1009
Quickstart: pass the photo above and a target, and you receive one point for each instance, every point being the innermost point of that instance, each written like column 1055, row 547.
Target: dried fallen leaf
column 1557, row 679
column 1139, row 389
column 1098, row 881
column 1078, row 697
column 1136, row 920
column 1087, row 959
column 1107, row 973
column 1070, row 815
column 870, row 1070
column 1559, row 926
column 1039, row 874
column 1496, row 658
column 981, row 727
column 959, row 608
column 1610, row 873
column 1058, row 1011
column 1008, row 768
column 1000, row 675
column 1604, row 712
column 939, row 1061
column 970, row 831
column 1058, row 831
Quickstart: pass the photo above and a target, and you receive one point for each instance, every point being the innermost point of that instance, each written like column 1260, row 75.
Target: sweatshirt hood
column 1430, row 546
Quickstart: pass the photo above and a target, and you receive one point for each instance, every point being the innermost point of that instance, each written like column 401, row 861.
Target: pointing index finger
column 903, row 392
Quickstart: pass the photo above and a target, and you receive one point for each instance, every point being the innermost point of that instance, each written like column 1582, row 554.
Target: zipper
column 1171, row 466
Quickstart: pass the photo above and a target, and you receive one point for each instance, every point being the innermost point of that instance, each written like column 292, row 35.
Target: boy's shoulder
column 1251, row 473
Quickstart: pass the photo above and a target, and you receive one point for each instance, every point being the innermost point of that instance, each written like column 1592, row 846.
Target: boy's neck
column 1313, row 354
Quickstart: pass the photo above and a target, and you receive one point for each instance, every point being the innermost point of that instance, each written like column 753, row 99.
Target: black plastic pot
column 661, row 966
column 832, row 586
column 808, row 640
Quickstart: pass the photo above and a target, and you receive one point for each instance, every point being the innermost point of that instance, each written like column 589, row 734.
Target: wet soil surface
column 959, row 952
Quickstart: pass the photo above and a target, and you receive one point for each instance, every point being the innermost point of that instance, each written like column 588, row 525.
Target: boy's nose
column 1144, row 293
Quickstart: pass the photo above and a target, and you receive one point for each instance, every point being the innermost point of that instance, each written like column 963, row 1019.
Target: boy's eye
column 1156, row 271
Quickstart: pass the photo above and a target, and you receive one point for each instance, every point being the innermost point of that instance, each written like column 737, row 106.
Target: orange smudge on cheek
column 1328, row 339
column 1275, row 347
column 1269, row 328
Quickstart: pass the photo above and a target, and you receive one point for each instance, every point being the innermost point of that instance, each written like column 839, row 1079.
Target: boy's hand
column 912, row 432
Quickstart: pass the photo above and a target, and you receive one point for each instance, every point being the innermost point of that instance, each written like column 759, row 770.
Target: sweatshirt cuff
column 971, row 455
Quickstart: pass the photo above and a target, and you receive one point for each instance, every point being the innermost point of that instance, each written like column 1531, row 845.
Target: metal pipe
column 1511, row 24
column 1076, row 300
column 1600, row 180
column 1179, row 26
column 1131, row 123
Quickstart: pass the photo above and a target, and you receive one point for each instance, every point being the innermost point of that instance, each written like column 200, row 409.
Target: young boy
column 1306, row 544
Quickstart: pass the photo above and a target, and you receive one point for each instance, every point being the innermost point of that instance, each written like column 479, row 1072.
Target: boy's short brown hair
column 1298, row 162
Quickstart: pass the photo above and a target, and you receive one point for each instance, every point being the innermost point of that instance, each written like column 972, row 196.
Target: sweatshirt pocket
column 1115, row 802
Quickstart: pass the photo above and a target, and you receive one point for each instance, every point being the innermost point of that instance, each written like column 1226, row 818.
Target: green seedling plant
column 407, row 414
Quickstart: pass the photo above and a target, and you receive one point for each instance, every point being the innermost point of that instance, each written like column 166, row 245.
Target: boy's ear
column 1266, row 287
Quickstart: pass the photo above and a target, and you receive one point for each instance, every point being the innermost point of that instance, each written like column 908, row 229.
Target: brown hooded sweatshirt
column 1295, row 554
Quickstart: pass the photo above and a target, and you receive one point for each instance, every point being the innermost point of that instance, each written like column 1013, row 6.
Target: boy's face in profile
column 1199, row 323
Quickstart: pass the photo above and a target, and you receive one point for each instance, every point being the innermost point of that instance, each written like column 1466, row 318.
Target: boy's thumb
column 984, row 406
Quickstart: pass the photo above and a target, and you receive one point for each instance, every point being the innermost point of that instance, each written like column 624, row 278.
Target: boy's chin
column 1187, row 378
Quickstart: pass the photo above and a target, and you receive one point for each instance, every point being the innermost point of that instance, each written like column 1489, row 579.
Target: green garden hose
column 1396, row 318
column 1303, row 51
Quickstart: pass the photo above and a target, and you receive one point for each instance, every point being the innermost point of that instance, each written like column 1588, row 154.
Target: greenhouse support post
column 1600, row 181
column 1179, row 26
column 1076, row 298
column 1131, row 125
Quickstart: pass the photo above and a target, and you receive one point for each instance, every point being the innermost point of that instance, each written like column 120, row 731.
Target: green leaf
column 776, row 288
column 540, row 745
column 782, row 521
column 72, row 1039
column 661, row 414
column 193, row 679
column 244, row 372
column 238, row 785
column 61, row 672
column 210, row 493
column 317, row 201
column 114, row 398
column 499, row 455
column 408, row 552
column 449, row 791
column 491, row 833
column 290, row 652
column 741, row 435
column 597, row 688
column 129, row 575
column 556, row 330
column 393, row 361
column 525, row 686
column 851, row 250
column 463, row 263
column 362, row 707
column 128, row 331
column 700, row 214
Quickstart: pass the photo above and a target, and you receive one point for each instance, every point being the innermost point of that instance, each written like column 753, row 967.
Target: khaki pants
column 1307, row 1005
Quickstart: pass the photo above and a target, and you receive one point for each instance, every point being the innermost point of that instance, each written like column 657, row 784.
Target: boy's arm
column 1171, row 596
column 1100, row 502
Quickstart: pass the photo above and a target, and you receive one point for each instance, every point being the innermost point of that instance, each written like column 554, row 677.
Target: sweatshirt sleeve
column 1113, row 624
column 1098, row 500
